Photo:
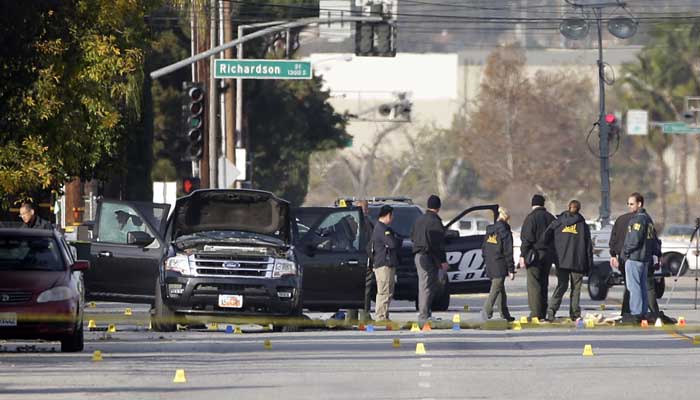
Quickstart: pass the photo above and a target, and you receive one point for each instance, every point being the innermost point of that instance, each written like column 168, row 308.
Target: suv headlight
column 284, row 267
column 58, row 293
column 179, row 264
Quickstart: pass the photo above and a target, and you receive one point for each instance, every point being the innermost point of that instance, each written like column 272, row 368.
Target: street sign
column 262, row 69
column 679, row 128
column 637, row 122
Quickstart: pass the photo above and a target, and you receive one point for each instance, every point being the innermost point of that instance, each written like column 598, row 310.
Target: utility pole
column 213, row 143
column 229, row 99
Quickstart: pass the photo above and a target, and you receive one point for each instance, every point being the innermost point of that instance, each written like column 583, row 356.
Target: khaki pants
column 385, row 290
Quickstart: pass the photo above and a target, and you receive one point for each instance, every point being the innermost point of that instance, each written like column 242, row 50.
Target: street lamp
column 623, row 27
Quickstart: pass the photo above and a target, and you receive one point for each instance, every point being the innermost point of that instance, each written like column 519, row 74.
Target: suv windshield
column 30, row 253
column 404, row 218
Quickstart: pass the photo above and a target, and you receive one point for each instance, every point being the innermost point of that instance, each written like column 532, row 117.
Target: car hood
column 252, row 211
column 34, row 281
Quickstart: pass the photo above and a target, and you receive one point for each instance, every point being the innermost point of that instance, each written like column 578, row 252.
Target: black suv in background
column 466, row 273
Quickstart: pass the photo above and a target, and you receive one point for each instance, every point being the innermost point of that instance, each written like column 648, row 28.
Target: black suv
column 226, row 253
column 466, row 273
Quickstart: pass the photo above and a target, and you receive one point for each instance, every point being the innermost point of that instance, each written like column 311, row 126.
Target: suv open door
column 467, row 273
column 126, row 247
column 330, row 245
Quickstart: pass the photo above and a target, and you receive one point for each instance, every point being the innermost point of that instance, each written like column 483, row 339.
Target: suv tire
column 597, row 286
column 163, row 319
column 75, row 342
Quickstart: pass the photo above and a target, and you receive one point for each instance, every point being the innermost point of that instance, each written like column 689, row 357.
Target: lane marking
column 424, row 374
column 424, row 385
column 426, row 365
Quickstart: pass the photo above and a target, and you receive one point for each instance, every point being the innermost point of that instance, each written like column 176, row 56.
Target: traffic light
column 194, row 96
column 190, row 184
column 375, row 39
column 613, row 124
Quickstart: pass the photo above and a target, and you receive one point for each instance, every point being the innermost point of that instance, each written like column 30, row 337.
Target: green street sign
column 679, row 128
column 262, row 69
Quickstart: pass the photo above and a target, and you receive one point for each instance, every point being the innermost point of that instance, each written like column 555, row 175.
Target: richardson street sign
column 262, row 69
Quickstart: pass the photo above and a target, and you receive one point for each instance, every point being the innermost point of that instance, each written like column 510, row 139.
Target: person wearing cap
column 574, row 249
column 428, row 236
column 497, row 249
column 539, row 256
column 384, row 249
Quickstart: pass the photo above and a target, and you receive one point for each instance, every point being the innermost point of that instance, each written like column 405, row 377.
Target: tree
column 664, row 73
column 530, row 130
column 71, row 93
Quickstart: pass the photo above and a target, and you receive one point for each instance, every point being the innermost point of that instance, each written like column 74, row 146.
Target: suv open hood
column 253, row 211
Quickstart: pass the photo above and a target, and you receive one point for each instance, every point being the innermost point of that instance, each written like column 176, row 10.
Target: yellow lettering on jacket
column 650, row 231
column 492, row 239
column 637, row 226
column 570, row 229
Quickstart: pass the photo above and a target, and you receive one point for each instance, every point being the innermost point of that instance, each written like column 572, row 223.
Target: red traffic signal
column 610, row 119
column 189, row 185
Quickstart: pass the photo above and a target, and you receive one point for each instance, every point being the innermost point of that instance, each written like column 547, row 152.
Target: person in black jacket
column 385, row 259
column 574, row 249
column 639, row 249
column 617, row 239
column 31, row 220
column 428, row 236
column 370, row 283
column 497, row 249
column 540, row 253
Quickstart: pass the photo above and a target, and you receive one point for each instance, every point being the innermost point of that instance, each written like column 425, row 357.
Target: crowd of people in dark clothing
column 565, row 242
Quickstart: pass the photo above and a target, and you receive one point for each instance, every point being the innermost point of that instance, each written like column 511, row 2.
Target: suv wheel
column 597, row 287
column 163, row 319
column 674, row 264
column 74, row 342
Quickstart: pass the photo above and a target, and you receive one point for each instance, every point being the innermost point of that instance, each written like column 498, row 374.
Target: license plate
column 230, row 300
column 8, row 319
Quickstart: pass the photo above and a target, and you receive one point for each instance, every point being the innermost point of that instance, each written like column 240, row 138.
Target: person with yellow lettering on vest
column 497, row 249
column 639, row 249
column 574, row 250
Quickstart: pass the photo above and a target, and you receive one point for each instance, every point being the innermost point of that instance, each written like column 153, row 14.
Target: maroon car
column 41, row 288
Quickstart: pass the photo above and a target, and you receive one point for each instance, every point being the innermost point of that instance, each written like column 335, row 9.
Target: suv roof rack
column 348, row 201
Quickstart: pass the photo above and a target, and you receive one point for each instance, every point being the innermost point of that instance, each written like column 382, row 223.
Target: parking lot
column 542, row 361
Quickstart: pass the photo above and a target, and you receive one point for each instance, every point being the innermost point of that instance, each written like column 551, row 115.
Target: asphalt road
column 537, row 362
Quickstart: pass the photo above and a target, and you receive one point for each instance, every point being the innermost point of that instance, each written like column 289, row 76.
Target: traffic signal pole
column 211, row 121
column 604, row 210
column 277, row 28
column 210, row 161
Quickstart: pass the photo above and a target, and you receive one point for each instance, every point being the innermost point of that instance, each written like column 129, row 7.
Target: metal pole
column 239, row 90
column 604, row 211
column 294, row 24
column 193, row 52
column 239, row 96
column 213, row 145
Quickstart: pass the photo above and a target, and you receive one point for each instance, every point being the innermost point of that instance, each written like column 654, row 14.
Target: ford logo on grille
column 5, row 297
column 232, row 264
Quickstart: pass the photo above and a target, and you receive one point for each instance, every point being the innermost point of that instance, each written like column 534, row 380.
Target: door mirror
column 139, row 238
column 451, row 234
column 80, row 265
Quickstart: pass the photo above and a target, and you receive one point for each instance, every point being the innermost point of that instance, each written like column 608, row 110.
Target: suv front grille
column 232, row 266
column 15, row 297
